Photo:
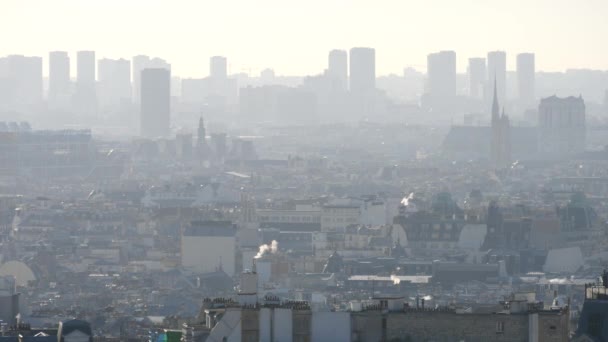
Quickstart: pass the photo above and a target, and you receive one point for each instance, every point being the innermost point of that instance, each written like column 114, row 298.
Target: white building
column 209, row 246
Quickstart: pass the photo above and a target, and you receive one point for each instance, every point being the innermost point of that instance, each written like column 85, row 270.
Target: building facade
column 562, row 126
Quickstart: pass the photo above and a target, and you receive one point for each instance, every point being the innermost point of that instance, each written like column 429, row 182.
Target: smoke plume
column 272, row 248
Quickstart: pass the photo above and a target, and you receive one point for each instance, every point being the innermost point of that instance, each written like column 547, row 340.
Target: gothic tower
column 501, row 135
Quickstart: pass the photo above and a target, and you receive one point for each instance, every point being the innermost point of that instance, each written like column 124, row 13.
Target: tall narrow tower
column 501, row 135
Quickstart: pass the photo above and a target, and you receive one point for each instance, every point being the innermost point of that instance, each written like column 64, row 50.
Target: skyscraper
column 85, row 68
column 140, row 63
column 441, row 68
column 24, row 75
column 526, row 79
column 337, row 69
column 362, row 70
column 477, row 77
column 114, row 81
column 218, row 67
column 497, row 71
column 85, row 95
column 59, row 76
column 155, row 112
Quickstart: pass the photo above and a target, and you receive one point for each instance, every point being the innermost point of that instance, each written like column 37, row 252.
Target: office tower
column 220, row 92
column 23, row 77
column 140, row 63
column 561, row 126
column 218, row 68
column 85, row 94
column 155, row 108
column 85, row 68
column 477, row 77
column 441, row 69
column 114, row 81
column 59, row 76
column 337, row 69
column 362, row 70
column 497, row 70
column 526, row 78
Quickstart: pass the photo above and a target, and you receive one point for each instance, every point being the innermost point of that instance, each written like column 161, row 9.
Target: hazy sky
column 294, row 37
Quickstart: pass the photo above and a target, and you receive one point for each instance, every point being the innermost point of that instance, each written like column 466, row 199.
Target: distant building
column 497, row 71
column 218, row 67
column 45, row 153
column 85, row 68
column 9, row 300
column 23, row 75
column 382, row 318
column 85, row 94
column 139, row 63
column 526, row 79
column 114, row 77
column 59, row 77
column 209, row 246
column 335, row 217
column 155, row 115
column 562, row 126
column 437, row 229
column 477, row 77
column 74, row 331
column 272, row 319
column 362, row 70
column 593, row 318
column 441, row 71
column 217, row 92
column 337, row 69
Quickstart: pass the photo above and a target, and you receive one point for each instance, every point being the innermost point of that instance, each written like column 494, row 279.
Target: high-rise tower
column 526, row 79
column 59, row 76
column 155, row 102
column 362, row 70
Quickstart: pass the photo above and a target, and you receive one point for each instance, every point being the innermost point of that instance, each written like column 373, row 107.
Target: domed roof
column 22, row 273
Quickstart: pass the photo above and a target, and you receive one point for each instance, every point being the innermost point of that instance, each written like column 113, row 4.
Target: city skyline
column 279, row 35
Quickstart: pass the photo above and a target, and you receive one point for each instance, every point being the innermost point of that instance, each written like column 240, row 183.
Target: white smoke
column 265, row 249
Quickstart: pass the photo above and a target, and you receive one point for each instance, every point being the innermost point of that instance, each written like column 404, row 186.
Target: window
column 500, row 327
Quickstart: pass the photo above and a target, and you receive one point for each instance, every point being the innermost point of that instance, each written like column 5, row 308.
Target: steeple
column 495, row 108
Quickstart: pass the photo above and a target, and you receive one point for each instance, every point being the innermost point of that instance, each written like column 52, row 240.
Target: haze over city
column 297, row 171
column 292, row 36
